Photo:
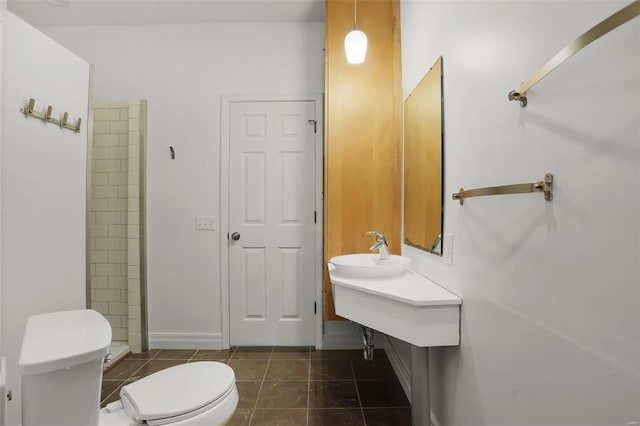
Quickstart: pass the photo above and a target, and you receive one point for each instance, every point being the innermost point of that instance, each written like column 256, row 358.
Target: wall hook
column 47, row 115
column 173, row 153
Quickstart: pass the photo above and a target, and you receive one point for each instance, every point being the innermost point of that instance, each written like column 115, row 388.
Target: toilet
column 61, row 364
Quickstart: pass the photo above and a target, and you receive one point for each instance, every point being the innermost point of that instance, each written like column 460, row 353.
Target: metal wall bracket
column 29, row 110
column 545, row 186
column 517, row 96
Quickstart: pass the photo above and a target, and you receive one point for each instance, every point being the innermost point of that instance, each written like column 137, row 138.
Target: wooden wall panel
column 363, row 133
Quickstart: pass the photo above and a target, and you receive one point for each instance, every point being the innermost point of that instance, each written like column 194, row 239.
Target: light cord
column 355, row 9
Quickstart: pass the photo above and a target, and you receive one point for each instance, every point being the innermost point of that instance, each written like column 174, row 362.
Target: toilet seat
column 178, row 393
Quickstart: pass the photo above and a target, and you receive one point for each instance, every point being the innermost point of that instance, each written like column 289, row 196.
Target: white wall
column 43, row 187
column 550, row 327
column 182, row 70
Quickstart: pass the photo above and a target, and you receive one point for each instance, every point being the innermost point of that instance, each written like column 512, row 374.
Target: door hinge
column 315, row 125
column 315, row 308
column 315, row 217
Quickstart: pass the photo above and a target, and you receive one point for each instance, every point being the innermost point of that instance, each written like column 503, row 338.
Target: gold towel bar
column 46, row 117
column 545, row 186
column 612, row 22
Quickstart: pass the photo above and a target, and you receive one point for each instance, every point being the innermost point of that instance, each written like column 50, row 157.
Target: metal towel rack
column 545, row 186
column 46, row 117
column 612, row 22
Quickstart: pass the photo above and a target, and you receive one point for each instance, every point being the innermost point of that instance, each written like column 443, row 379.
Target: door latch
column 315, row 125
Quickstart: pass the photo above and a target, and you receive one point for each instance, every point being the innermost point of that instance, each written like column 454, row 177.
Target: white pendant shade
column 355, row 45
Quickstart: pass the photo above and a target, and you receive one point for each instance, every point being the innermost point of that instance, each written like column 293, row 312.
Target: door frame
column 225, row 302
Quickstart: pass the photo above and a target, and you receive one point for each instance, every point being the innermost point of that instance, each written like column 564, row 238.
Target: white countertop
column 410, row 287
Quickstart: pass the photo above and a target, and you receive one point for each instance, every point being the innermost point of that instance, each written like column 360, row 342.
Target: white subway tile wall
column 114, row 217
column 107, row 236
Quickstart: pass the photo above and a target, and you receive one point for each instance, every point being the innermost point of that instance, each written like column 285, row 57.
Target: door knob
column 235, row 236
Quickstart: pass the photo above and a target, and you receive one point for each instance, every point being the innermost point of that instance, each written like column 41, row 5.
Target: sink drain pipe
column 367, row 343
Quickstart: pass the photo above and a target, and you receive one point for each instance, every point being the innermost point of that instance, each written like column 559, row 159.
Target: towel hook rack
column 29, row 110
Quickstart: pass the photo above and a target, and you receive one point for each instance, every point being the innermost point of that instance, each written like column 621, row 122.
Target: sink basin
column 369, row 265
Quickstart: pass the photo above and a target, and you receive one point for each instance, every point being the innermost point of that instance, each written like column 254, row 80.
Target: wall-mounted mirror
column 423, row 147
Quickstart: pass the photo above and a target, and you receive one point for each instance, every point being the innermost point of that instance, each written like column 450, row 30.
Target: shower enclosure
column 116, row 278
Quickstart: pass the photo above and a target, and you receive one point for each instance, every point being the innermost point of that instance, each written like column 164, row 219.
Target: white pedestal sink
column 406, row 306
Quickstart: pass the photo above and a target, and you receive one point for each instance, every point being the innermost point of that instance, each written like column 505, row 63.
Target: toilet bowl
column 195, row 394
column 61, row 364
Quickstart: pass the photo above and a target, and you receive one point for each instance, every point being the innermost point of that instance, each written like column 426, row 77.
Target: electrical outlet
column 205, row 223
column 447, row 248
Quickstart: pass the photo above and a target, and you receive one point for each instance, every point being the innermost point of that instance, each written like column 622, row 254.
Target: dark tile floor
column 289, row 386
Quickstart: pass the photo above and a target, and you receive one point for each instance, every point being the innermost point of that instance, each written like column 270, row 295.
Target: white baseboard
column 341, row 335
column 185, row 341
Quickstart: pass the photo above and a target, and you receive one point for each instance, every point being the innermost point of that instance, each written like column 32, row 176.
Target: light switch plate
column 205, row 223
column 447, row 248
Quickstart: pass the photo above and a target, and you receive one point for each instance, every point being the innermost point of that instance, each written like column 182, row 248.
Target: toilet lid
column 179, row 391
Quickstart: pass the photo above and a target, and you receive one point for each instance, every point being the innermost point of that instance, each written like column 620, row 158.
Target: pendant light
column 355, row 43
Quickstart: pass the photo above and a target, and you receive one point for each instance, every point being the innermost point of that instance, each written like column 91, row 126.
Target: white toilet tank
column 61, row 366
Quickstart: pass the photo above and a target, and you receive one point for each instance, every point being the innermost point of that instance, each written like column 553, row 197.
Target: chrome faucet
column 381, row 244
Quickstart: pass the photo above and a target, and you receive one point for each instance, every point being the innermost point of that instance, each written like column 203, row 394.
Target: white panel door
column 272, row 223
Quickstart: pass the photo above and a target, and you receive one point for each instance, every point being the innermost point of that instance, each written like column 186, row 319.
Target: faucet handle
column 379, row 236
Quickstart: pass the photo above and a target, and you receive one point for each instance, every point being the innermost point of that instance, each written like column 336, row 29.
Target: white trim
column 226, row 101
column 185, row 341
column 319, row 218
column 224, row 220
column 3, row 38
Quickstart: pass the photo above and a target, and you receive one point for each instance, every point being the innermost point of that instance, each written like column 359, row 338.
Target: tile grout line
column 142, row 366
column 127, row 379
column 264, row 376
column 355, row 382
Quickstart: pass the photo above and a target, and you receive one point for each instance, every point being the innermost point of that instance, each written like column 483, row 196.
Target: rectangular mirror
column 423, row 147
